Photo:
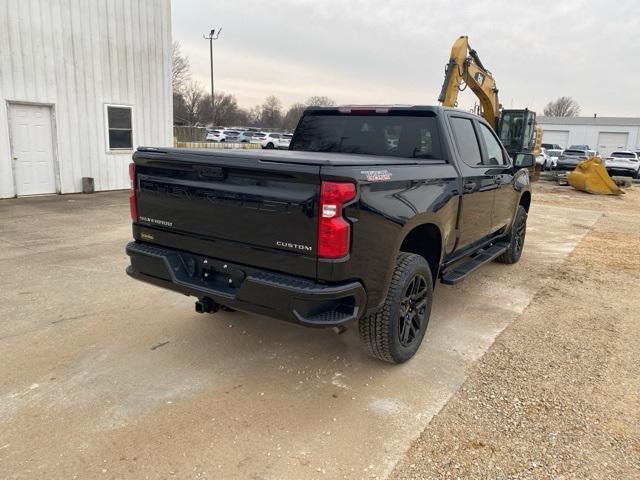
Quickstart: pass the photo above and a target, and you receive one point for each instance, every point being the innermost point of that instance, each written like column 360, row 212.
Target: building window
column 119, row 127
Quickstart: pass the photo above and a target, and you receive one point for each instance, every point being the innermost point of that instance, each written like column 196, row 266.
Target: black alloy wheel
column 520, row 230
column 413, row 307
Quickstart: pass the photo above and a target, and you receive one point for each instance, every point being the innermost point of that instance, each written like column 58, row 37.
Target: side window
column 495, row 154
column 467, row 141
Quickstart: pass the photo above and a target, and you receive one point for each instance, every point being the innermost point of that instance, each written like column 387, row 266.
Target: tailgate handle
column 210, row 172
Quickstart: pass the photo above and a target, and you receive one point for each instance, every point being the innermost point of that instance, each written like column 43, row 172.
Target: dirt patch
column 557, row 395
column 616, row 250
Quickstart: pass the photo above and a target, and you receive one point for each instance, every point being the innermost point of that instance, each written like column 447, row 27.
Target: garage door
column 32, row 149
column 611, row 141
column 561, row 137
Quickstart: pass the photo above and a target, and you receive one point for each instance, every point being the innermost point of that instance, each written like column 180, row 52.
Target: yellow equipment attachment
column 591, row 176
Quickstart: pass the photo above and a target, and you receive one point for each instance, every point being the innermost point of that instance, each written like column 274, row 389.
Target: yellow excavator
column 517, row 129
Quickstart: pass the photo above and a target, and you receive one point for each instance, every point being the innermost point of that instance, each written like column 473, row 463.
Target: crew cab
column 355, row 223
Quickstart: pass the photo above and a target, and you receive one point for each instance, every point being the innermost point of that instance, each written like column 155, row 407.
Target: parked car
column 244, row 136
column 553, row 155
column 551, row 146
column 213, row 135
column 231, row 136
column 285, row 141
column 223, row 136
column 339, row 228
column 272, row 140
column 571, row 157
column 624, row 162
column 543, row 159
column 258, row 137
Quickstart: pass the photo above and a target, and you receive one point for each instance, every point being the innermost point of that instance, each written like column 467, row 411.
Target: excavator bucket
column 591, row 176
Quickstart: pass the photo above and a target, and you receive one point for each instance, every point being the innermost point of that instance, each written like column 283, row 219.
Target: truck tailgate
column 239, row 208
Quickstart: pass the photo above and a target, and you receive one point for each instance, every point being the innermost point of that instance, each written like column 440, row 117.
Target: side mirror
column 525, row 160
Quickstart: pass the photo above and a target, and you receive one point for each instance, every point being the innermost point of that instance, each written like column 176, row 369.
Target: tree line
column 192, row 105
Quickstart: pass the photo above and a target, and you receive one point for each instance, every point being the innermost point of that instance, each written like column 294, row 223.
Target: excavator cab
column 518, row 132
column 516, row 129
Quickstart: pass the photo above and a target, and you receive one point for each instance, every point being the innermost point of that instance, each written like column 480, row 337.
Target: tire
column 269, row 146
column 389, row 336
column 222, row 141
column 516, row 238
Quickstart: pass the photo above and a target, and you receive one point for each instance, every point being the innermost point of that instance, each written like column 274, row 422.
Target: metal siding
column 588, row 134
column 561, row 137
column 79, row 55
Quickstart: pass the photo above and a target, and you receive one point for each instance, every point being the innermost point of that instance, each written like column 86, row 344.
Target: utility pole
column 211, row 37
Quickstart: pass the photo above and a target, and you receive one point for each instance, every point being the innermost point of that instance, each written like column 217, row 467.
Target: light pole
column 211, row 37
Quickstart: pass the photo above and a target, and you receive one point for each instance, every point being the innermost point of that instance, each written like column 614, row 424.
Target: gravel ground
column 557, row 395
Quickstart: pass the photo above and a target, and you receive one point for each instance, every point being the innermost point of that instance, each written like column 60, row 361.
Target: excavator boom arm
column 465, row 67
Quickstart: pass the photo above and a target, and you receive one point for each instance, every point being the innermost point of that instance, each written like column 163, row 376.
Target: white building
column 82, row 83
column 604, row 134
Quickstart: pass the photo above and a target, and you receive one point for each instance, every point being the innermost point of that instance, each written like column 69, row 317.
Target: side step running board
column 460, row 271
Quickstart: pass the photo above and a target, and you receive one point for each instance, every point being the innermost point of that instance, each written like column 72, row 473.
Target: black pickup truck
column 354, row 223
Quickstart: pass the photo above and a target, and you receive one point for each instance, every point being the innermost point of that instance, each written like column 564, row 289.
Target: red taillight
column 133, row 201
column 334, row 232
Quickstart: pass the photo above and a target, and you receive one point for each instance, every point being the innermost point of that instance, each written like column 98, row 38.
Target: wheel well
column 425, row 240
column 525, row 200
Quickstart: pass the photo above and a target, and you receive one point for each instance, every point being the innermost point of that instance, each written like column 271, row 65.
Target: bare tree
column 255, row 115
column 320, row 101
column 180, row 68
column 271, row 115
column 180, row 114
column 226, row 107
column 292, row 117
column 562, row 107
column 193, row 96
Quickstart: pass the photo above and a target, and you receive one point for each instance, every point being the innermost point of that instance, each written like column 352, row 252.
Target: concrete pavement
column 102, row 376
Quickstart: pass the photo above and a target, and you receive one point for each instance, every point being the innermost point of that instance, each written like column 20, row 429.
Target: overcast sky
column 394, row 51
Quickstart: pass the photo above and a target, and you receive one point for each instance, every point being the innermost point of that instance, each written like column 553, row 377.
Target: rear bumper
column 285, row 297
column 622, row 171
column 566, row 165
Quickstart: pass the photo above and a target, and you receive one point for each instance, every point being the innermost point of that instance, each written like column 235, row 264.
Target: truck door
column 478, row 183
column 506, row 197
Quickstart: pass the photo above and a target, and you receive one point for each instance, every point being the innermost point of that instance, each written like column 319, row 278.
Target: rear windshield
column 393, row 135
column 623, row 155
column 575, row 153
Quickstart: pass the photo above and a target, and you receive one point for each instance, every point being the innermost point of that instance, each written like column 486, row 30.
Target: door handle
column 469, row 186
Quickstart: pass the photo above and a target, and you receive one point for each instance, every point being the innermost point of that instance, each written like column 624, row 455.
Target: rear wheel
column 515, row 238
column 269, row 146
column 395, row 332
